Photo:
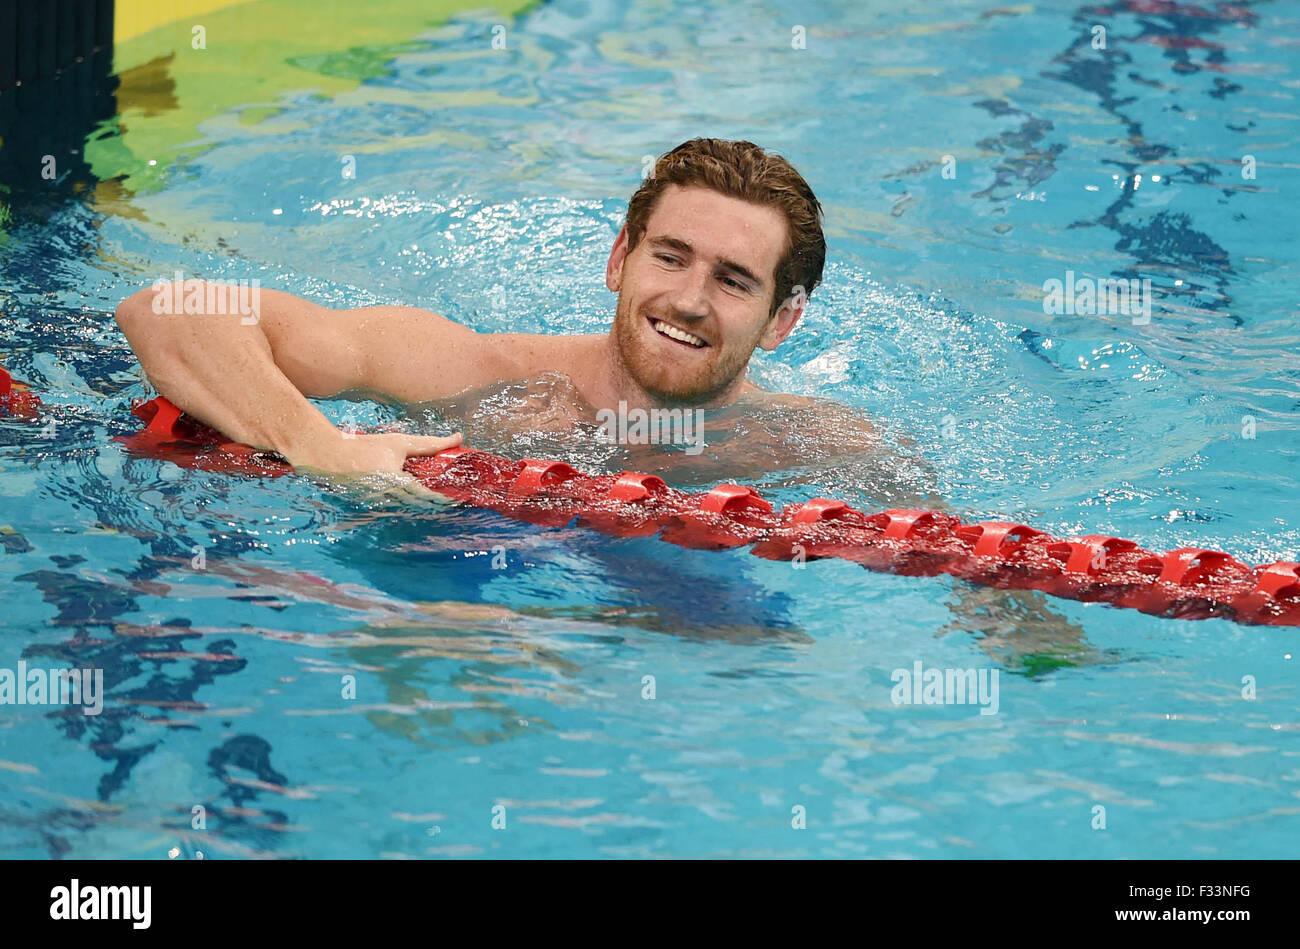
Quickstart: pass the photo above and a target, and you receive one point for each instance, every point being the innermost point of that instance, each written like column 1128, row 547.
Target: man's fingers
column 415, row 488
column 417, row 446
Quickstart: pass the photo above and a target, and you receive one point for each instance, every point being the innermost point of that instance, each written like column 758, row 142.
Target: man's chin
column 642, row 360
column 673, row 391
column 678, row 391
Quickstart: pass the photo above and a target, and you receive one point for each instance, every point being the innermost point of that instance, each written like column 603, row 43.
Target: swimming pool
column 965, row 156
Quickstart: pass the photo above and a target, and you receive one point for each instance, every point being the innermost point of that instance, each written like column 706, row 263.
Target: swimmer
column 721, row 248
column 722, row 245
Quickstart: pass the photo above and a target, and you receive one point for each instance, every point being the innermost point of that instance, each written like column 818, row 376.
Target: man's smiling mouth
column 678, row 335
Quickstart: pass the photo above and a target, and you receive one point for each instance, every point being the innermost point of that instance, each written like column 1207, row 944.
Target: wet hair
column 743, row 170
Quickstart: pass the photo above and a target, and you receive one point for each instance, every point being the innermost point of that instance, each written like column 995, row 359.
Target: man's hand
column 359, row 454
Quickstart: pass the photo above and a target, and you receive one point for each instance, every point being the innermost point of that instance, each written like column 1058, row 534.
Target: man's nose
column 690, row 298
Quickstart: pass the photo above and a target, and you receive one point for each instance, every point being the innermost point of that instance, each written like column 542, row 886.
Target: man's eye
column 735, row 284
column 667, row 258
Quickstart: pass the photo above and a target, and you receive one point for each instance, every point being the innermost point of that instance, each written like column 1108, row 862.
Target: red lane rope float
column 171, row 436
column 16, row 399
column 1188, row 583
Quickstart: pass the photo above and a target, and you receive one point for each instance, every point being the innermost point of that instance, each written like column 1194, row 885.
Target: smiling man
column 722, row 245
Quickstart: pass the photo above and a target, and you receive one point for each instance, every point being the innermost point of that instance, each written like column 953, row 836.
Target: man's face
column 695, row 295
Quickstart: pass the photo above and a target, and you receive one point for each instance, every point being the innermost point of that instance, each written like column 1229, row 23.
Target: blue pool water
column 489, row 186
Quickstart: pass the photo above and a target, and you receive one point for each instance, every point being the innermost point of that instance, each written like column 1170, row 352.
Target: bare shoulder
column 417, row 355
column 527, row 355
column 821, row 408
column 539, row 352
column 412, row 355
column 757, row 395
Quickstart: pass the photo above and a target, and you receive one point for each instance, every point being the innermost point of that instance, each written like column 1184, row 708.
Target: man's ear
column 782, row 323
column 614, row 269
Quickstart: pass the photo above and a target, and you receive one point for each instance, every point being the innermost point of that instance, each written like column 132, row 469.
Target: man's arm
column 250, row 378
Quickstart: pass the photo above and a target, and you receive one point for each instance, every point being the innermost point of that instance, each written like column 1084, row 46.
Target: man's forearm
column 221, row 370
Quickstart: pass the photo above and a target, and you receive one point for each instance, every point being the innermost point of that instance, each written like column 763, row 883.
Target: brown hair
column 743, row 170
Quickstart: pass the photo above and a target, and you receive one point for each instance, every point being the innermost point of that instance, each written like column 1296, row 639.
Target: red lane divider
column 171, row 436
column 16, row 399
column 1189, row 583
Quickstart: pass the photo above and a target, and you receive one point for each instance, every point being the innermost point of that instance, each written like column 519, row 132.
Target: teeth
column 677, row 334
